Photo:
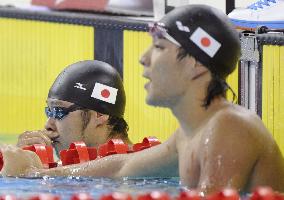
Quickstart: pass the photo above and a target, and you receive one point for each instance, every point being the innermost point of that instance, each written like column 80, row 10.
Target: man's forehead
column 161, row 39
column 158, row 38
column 164, row 42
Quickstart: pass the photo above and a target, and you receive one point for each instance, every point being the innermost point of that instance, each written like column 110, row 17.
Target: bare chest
column 189, row 165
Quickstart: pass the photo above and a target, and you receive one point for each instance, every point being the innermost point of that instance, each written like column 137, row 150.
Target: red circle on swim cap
column 105, row 93
column 205, row 41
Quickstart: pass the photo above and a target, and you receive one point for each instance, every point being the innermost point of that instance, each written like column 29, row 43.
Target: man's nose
column 50, row 124
column 145, row 59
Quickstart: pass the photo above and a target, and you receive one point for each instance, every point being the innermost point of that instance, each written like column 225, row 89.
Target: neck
column 126, row 140
column 96, row 136
column 189, row 110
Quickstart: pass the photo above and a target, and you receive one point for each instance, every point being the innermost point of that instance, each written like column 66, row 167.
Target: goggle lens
column 59, row 112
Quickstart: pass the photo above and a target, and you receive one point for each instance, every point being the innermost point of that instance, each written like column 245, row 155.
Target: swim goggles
column 158, row 30
column 59, row 112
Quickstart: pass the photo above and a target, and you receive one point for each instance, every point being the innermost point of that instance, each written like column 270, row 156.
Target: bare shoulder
column 240, row 120
column 237, row 114
column 237, row 150
column 238, row 125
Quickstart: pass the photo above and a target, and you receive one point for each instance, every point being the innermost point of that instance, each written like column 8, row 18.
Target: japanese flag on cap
column 205, row 42
column 104, row 93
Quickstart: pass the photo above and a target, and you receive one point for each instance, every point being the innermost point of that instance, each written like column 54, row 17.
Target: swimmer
column 218, row 144
column 85, row 103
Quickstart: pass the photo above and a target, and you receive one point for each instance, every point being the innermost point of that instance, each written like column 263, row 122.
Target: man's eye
column 157, row 46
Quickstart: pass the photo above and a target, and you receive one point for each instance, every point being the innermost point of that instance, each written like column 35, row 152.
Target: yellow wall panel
column 279, row 135
column 233, row 81
column 268, row 86
column 276, row 87
column 32, row 54
column 143, row 120
column 273, row 87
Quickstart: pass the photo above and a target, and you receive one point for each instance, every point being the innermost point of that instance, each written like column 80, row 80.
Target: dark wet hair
column 86, row 116
column 217, row 85
column 118, row 126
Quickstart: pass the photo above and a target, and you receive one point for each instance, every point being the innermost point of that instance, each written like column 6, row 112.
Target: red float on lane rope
column 114, row 146
column 45, row 153
column 78, row 152
column 116, row 196
column 146, row 143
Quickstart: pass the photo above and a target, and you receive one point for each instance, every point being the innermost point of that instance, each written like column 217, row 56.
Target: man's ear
column 193, row 69
column 198, row 70
column 100, row 119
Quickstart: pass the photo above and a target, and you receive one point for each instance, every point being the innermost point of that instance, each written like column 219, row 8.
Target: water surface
column 65, row 187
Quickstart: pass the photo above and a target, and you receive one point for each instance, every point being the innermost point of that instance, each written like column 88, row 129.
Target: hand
column 36, row 137
column 18, row 162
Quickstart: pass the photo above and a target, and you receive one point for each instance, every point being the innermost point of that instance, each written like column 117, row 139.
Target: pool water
column 96, row 187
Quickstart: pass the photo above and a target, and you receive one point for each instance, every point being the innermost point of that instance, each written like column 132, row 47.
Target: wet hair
column 217, row 85
column 86, row 116
column 118, row 127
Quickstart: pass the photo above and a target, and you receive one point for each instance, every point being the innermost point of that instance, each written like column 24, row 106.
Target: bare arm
column 230, row 156
column 160, row 160
column 18, row 162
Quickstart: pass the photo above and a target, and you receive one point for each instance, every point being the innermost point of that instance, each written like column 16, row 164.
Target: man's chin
column 154, row 102
column 150, row 101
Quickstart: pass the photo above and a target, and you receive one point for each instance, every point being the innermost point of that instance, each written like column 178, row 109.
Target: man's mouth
column 146, row 75
column 148, row 83
column 55, row 140
column 146, row 86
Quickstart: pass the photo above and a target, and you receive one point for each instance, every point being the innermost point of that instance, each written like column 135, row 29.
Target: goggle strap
column 156, row 29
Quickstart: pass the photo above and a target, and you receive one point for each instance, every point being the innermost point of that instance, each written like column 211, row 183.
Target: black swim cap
column 207, row 34
column 92, row 84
